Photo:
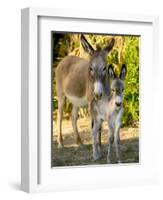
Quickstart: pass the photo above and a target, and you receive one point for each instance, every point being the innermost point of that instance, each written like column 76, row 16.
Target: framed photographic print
column 88, row 119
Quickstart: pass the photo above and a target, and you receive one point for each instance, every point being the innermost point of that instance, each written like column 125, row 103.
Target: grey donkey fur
column 81, row 81
column 109, row 109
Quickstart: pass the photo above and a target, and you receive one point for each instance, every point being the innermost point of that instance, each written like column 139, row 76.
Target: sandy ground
column 73, row 155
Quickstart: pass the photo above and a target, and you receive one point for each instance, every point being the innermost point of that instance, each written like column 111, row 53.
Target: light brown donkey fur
column 81, row 81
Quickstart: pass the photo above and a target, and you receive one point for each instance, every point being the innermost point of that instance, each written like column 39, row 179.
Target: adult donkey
column 81, row 81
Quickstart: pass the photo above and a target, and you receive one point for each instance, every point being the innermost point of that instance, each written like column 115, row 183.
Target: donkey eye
column 113, row 90
column 91, row 69
column 104, row 68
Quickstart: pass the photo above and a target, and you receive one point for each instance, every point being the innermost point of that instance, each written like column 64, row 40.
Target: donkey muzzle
column 98, row 96
column 98, row 90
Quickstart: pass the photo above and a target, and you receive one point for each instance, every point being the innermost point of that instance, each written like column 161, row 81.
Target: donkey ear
column 123, row 72
column 111, row 72
column 109, row 46
column 86, row 46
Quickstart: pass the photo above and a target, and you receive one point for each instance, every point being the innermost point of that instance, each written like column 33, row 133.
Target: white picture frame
column 36, row 171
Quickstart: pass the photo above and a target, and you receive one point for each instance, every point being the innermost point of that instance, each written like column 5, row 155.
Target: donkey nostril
column 98, row 95
column 95, row 94
column 118, row 104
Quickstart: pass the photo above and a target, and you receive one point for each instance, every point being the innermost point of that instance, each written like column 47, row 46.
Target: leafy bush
column 131, row 92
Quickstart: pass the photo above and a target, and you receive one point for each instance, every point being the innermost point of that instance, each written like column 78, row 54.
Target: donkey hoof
column 79, row 142
column 119, row 161
column 60, row 145
column 81, row 145
column 96, row 157
column 109, row 161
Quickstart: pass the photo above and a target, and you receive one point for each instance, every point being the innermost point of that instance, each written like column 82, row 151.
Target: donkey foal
column 111, row 110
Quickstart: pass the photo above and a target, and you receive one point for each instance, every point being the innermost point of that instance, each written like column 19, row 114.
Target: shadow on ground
column 74, row 156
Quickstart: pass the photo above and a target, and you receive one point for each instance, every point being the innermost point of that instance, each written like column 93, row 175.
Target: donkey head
column 117, row 86
column 97, row 67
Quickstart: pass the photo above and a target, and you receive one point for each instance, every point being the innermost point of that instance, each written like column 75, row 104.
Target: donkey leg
column 74, row 125
column 95, row 136
column 110, row 144
column 59, row 121
column 117, row 144
column 98, row 135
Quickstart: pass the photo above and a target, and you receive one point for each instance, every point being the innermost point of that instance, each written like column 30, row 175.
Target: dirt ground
column 72, row 155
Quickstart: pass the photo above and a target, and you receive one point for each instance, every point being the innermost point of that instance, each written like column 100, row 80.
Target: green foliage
column 125, row 51
column 131, row 92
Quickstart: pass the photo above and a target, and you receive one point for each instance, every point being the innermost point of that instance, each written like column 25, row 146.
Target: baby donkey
column 109, row 109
